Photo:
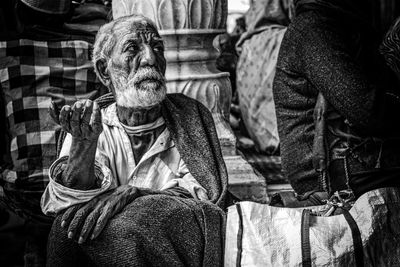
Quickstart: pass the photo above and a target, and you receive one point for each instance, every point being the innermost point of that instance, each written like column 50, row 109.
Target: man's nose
column 148, row 57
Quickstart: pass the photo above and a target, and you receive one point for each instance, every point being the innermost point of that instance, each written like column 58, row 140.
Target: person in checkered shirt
column 45, row 56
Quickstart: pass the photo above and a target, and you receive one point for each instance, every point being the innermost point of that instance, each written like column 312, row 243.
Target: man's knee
column 152, row 211
column 153, row 218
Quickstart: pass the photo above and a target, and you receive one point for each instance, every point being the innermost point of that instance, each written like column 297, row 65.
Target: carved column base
column 191, row 70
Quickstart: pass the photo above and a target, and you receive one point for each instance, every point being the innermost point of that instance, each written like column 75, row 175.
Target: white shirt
column 160, row 168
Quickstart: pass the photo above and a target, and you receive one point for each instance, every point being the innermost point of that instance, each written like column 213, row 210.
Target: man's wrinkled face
column 137, row 67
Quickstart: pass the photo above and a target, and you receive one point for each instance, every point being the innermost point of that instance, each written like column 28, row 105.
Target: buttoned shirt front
column 160, row 168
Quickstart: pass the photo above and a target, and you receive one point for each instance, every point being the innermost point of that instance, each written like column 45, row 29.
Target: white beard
column 128, row 95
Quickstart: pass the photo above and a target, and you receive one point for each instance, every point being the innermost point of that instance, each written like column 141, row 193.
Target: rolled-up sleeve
column 58, row 197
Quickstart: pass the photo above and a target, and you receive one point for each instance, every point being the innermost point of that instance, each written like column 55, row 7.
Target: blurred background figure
column 266, row 23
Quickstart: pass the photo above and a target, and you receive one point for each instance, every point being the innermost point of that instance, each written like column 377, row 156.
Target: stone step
column 245, row 183
column 248, row 184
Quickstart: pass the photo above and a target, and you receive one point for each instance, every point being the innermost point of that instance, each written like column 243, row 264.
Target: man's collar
column 140, row 116
column 110, row 117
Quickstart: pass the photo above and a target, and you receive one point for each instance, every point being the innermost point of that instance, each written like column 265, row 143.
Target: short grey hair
column 107, row 35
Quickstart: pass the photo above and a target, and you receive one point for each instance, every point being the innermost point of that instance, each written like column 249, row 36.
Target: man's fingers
column 115, row 202
column 54, row 112
column 96, row 114
column 95, row 120
column 85, row 121
column 79, row 219
column 82, row 120
column 105, row 215
column 76, row 118
column 69, row 215
column 65, row 117
column 87, row 111
column 89, row 224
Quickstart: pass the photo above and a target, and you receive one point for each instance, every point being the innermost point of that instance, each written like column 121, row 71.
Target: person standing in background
column 329, row 70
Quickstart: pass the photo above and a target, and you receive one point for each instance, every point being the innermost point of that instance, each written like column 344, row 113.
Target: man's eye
column 132, row 48
column 158, row 48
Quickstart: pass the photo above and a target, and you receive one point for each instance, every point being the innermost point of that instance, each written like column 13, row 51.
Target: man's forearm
column 79, row 173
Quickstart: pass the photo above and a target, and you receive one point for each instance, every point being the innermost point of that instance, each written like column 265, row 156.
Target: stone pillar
column 188, row 28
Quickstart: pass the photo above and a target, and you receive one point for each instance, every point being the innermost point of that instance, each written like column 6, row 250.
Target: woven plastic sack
column 262, row 235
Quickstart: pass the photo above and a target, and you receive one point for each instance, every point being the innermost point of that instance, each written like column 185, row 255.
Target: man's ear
column 102, row 72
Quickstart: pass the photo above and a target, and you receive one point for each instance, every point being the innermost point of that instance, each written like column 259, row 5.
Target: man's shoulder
column 179, row 97
column 184, row 102
column 185, row 106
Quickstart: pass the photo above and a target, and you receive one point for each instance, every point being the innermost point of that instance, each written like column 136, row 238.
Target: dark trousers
column 153, row 230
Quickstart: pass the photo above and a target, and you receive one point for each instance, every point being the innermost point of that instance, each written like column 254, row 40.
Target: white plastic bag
column 262, row 235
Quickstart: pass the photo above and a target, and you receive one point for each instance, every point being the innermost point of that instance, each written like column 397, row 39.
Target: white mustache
column 147, row 73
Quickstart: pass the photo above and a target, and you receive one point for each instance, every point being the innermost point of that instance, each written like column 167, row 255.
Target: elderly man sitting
column 142, row 179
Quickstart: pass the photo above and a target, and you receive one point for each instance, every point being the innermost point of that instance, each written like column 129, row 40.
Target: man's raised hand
column 82, row 120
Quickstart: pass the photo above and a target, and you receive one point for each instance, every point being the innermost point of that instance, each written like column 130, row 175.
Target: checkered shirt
column 32, row 74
